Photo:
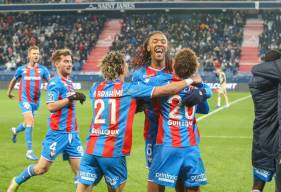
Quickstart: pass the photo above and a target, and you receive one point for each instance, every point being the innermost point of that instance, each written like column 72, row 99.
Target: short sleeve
column 136, row 77
column 141, row 91
column 18, row 74
column 46, row 74
column 52, row 92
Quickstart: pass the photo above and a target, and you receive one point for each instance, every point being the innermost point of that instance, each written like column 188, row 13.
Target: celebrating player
column 62, row 136
column 176, row 153
column 150, row 62
column 31, row 76
column 110, row 138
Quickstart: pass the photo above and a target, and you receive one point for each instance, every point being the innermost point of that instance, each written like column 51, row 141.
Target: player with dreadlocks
column 151, row 61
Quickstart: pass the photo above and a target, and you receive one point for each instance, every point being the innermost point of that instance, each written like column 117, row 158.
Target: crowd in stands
column 49, row 32
column 271, row 36
column 215, row 37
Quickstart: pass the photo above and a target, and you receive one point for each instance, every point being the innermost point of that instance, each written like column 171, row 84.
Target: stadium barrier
column 124, row 6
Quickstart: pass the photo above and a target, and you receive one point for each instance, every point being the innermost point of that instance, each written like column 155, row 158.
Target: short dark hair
column 186, row 63
column 272, row 55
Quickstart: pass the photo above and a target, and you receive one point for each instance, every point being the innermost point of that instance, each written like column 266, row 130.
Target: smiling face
column 64, row 65
column 157, row 46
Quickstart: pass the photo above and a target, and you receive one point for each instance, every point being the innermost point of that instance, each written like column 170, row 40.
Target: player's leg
column 193, row 171
column 180, row 185
column 278, row 174
column 29, row 121
column 114, row 170
column 225, row 98
column 40, row 168
column 153, row 187
column 263, row 167
column 165, row 167
column 90, row 173
column 149, row 145
column 73, row 152
column 219, row 98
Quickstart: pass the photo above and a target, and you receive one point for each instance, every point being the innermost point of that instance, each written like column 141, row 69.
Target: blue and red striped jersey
column 63, row 120
column 177, row 123
column 114, row 107
column 31, row 79
column 151, row 76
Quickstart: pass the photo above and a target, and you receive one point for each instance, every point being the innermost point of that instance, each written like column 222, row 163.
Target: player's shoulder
column 40, row 66
column 55, row 81
column 21, row 68
column 140, row 72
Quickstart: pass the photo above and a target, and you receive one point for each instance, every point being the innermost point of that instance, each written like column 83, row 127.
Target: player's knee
column 39, row 170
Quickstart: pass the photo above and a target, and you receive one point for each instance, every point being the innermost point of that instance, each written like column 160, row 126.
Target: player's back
column 114, row 107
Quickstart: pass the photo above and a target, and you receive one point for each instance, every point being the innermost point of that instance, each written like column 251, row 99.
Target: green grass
column 227, row 160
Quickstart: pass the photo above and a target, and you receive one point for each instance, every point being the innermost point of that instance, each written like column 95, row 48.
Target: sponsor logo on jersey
column 32, row 78
column 106, row 132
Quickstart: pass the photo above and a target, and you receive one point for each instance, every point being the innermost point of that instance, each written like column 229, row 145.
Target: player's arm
column 222, row 78
column 197, row 95
column 57, row 105
column 175, row 87
column 203, row 108
column 11, row 87
column 268, row 70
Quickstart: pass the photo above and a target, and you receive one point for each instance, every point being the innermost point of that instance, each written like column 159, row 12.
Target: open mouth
column 159, row 50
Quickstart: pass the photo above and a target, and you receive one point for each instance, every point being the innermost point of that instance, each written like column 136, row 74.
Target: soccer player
column 266, row 149
column 62, row 136
column 222, row 88
column 31, row 77
column 110, row 138
column 150, row 62
column 176, row 153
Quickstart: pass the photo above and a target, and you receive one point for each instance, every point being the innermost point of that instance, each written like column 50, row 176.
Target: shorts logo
column 166, row 177
column 88, row 176
column 80, row 150
column 26, row 105
column 199, row 178
column 111, row 181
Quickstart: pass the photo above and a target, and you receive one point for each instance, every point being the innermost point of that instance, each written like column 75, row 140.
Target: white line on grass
column 221, row 108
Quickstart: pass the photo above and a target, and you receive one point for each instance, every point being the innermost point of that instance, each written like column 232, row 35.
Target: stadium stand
column 49, row 32
column 214, row 36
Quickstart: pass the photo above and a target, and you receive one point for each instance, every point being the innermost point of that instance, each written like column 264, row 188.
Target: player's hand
column 10, row 95
column 78, row 97
column 196, row 79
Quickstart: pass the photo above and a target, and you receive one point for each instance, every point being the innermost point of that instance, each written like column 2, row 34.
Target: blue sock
column 28, row 137
column 25, row 175
column 20, row 128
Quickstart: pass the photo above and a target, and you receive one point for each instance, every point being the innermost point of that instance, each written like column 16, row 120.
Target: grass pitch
column 225, row 147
